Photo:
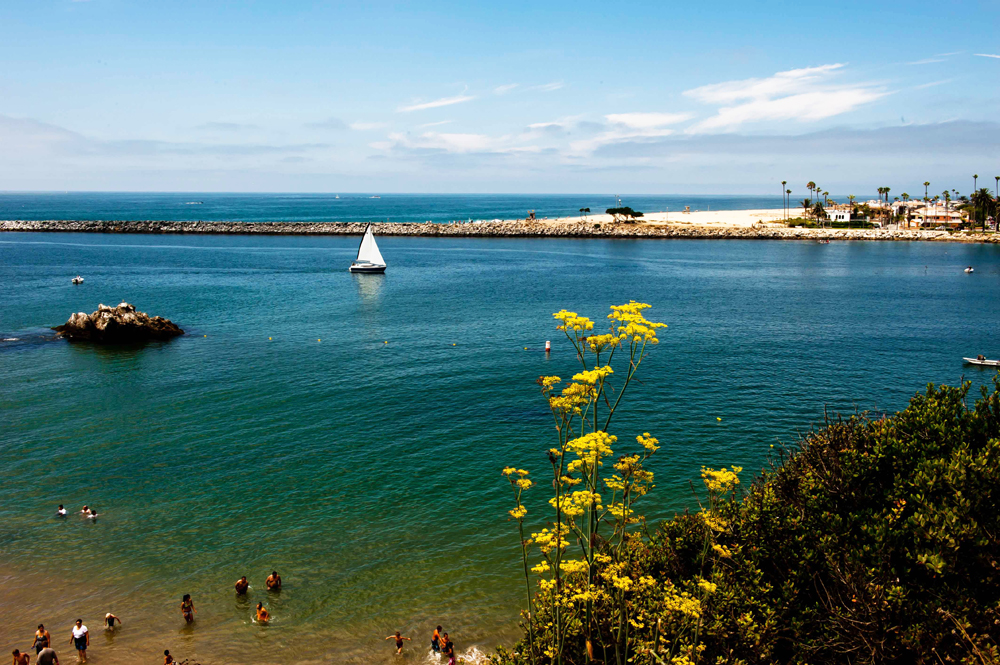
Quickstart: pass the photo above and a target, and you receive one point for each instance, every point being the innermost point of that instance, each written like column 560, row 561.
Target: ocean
column 348, row 431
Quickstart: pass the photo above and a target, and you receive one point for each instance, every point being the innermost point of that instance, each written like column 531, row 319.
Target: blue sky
column 645, row 97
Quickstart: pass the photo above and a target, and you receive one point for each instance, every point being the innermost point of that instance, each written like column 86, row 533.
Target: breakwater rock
column 508, row 229
column 117, row 325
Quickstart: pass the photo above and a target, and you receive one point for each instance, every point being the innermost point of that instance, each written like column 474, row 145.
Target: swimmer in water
column 273, row 581
column 241, row 586
column 187, row 608
column 449, row 649
column 61, row 512
column 167, row 658
column 86, row 511
column 21, row 658
column 399, row 641
column 109, row 621
column 263, row 616
column 436, row 640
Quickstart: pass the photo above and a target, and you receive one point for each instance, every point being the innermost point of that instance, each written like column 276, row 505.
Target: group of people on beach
column 440, row 644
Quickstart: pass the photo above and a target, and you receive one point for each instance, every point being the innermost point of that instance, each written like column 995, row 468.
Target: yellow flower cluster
column 510, row 470
column 707, row 586
column 722, row 551
column 573, row 566
column 592, row 376
column 713, row 522
column 721, row 481
column 629, row 323
column 650, row 443
column 518, row 513
column 542, row 567
column 572, row 321
column 599, row 343
column 548, row 382
column 590, row 448
column 682, row 603
column 546, row 539
column 572, row 398
column 575, row 504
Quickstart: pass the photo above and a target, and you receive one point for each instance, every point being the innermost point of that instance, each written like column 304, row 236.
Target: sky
column 505, row 97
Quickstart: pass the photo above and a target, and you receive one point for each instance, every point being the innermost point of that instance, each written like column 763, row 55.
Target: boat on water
column 369, row 259
column 970, row 270
column 77, row 280
column 982, row 362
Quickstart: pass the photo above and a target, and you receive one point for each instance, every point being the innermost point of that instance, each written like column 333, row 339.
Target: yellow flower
column 518, row 512
column 722, row 551
column 524, row 483
column 572, row 566
column 600, row 342
column 548, row 382
column 590, row 448
column 542, row 567
column 593, row 376
column 571, row 321
column 509, row 470
column 648, row 442
column 721, row 481
column 707, row 586
column 682, row 603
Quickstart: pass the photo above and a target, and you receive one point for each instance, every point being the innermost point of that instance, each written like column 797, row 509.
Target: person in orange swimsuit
column 263, row 616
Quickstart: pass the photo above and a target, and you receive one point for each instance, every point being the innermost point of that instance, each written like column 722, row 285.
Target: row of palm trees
column 981, row 205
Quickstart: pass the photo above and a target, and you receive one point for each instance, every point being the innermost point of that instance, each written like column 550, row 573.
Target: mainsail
column 368, row 251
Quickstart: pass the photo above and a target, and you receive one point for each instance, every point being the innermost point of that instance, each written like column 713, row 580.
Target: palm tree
column 975, row 177
column 825, row 199
column 784, row 208
column 811, row 186
column 805, row 203
column 926, row 185
column 788, row 193
column 996, row 188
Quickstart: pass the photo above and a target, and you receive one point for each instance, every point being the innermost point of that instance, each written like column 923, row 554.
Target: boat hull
column 369, row 269
column 982, row 363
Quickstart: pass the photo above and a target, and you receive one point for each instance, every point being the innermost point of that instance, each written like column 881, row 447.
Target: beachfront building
column 939, row 214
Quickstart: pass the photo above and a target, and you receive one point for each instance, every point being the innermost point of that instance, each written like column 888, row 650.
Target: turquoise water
column 368, row 474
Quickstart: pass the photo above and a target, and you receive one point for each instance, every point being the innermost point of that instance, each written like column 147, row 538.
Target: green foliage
column 623, row 214
column 876, row 541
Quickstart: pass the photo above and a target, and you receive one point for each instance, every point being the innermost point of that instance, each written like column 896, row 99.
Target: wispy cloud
column 947, row 55
column 434, row 124
column 634, row 127
column 366, row 126
column 932, row 84
column 329, row 123
column 456, row 143
column 224, row 127
column 548, row 87
column 802, row 95
column 926, row 61
column 988, row 55
column 437, row 103
column 504, row 89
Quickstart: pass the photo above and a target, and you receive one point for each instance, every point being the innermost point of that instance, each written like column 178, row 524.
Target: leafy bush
column 875, row 541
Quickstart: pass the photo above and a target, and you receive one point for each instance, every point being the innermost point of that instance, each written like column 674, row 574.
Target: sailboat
column 369, row 258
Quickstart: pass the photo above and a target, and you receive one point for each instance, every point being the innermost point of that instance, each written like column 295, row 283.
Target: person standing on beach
column 42, row 639
column 399, row 641
column 241, row 586
column 187, row 608
column 21, row 658
column 80, row 639
column 273, row 581
column 436, row 640
column 47, row 656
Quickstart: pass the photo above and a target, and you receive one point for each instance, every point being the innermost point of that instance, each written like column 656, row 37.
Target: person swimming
column 399, row 641
column 273, row 581
column 187, row 608
column 60, row 511
column 263, row 616
column 109, row 620
column 242, row 586
column 449, row 649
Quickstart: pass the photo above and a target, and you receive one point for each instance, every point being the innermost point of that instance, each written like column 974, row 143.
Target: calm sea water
column 283, row 432
column 344, row 207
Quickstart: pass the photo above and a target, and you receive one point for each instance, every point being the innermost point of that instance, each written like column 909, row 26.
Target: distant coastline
column 592, row 227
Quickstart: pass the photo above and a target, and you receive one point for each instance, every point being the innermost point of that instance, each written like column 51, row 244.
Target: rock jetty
column 117, row 325
column 492, row 229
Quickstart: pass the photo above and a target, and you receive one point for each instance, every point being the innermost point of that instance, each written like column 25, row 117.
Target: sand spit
column 728, row 224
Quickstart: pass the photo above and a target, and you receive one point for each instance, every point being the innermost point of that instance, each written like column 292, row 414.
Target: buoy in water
column 719, row 419
column 548, row 346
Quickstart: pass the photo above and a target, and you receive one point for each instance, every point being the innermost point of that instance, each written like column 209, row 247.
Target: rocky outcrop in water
column 118, row 325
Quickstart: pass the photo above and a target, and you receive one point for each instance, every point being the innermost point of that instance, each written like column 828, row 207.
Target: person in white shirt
column 80, row 639
column 61, row 512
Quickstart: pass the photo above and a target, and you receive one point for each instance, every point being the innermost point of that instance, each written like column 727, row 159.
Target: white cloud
column 456, row 143
column 437, row 103
column 434, row 124
column 634, row 127
column 647, row 121
column 932, row 84
column 504, row 89
column 798, row 94
column 366, row 126
column 988, row 55
column 548, row 87
column 926, row 61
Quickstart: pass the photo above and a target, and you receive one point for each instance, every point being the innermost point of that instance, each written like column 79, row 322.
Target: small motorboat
column 369, row 259
column 78, row 280
column 982, row 362
column 969, row 270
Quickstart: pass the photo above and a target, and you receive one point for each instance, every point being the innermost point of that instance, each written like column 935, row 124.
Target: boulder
column 117, row 325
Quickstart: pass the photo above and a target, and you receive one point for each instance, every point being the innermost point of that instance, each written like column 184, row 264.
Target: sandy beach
column 694, row 219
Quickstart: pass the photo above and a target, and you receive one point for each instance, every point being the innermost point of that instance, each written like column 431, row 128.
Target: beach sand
column 696, row 218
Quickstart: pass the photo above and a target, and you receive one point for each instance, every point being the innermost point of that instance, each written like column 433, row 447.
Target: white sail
column 368, row 251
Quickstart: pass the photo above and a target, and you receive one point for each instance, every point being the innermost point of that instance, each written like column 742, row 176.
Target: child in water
column 436, row 640
column 167, row 658
column 263, row 616
column 399, row 641
column 187, row 608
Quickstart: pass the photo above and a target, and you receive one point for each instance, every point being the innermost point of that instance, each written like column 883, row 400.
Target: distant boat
column 337, row 197
column 970, row 269
column 369, row 258
column 374, row 197
column 982, row 362
column 78, row 280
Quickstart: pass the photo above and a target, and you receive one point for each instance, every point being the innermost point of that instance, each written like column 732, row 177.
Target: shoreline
column 744, row 225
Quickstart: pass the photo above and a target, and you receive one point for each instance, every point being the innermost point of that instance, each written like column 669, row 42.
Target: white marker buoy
column 548, row 346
